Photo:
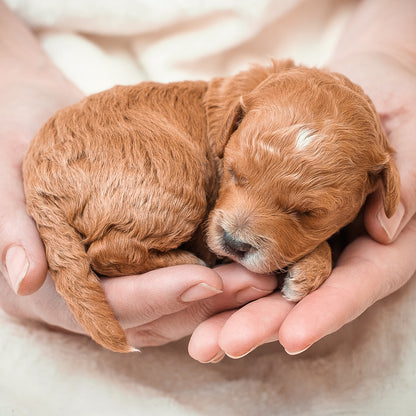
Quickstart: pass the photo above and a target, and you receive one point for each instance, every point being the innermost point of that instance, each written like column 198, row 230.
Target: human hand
column 31, row 90
column 369, row 268
column 390, row 81
column 154, row 308
column 24, row 105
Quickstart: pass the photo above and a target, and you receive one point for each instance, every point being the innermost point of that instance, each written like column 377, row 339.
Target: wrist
column 356, row 57
column 379, row 25
column 31, row 87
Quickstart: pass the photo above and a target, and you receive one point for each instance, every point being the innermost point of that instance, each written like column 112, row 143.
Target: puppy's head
column 301, row 152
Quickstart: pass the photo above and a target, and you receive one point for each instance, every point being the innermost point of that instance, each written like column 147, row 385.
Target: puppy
column 301, row 152
column 123, row 181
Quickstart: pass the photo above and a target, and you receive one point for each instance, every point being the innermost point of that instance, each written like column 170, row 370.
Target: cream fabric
column 367, row 368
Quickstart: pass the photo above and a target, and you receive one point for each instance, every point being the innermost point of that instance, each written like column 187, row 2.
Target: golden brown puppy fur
column 119, row 182
column 302, row 150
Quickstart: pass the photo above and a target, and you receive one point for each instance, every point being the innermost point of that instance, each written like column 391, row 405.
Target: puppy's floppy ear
column 229, row 125
column 387, row 169
column 391, row 186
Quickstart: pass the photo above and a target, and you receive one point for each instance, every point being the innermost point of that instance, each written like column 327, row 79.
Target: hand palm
column 367, row 270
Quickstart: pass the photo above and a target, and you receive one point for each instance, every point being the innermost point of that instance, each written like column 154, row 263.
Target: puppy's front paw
column 293, row 288
column 297, row 283
column 308, row 273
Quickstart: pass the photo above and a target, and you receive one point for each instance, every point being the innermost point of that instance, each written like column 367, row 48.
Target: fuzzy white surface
column 367, row 368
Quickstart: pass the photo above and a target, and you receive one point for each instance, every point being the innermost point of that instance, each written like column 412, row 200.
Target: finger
column 366, row 272
column 45, row 305
column 237, row 333
column 239, row 287
column 381, row 228
column 137, row 300
column 204, row 343
column 152, row 306
column 23, row 260
column 253, row 325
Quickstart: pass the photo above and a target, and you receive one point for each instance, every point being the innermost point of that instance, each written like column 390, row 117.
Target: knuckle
column 201, row 310
column 146, row 336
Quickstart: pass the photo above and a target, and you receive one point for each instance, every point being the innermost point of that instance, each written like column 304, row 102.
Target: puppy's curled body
column 115, row 185
column 281, row 157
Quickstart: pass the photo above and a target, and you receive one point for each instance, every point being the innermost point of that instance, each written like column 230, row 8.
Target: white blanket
column 367, row 368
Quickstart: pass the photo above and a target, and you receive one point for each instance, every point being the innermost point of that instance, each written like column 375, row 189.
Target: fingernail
column 16, row 265
column 297, row 352
column 270, row 339
column 236, row 357
column 217, row 358
column 273, row 338
column 391, row 225
column 250, row 293
column 198, row 292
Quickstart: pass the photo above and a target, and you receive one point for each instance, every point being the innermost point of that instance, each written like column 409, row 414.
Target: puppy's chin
column 241, row 245
column 257, row 263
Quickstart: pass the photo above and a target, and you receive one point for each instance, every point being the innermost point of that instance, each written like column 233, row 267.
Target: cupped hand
column 25, row 104
column 154, row 308
column 366, row 272
column 390, row 81
column 370, row 268
column 31, row 90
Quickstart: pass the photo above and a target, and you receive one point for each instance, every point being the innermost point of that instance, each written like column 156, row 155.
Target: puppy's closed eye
column 311, row 147
column 147, row 181
column 237, row 179
column 301, row 213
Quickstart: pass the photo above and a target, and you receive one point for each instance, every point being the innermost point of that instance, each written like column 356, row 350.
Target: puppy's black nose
column 235, row 246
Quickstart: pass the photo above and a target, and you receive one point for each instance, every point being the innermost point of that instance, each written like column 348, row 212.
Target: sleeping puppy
column 301, row 152
column 265, row 166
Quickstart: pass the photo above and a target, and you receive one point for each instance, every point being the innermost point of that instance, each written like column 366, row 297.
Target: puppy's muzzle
column 234, row 246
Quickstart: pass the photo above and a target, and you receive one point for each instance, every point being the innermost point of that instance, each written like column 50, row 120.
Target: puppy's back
column 113, row 184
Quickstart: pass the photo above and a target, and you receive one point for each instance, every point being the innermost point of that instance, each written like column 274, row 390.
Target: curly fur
column 123, row 181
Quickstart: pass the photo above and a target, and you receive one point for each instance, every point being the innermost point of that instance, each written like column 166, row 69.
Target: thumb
column 383, row 229
column 23, row 260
